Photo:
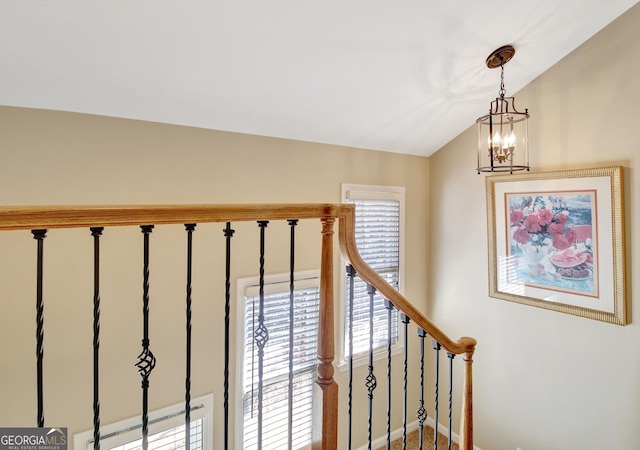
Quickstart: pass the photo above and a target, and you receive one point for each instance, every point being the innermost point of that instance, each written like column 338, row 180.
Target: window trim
column 127, row 430
column 370, row 192
column 304, row 278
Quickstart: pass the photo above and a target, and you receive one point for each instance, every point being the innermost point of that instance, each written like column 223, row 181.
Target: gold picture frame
column 556, row 241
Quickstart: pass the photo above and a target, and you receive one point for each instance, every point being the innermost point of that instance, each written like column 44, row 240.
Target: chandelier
column 503, row 144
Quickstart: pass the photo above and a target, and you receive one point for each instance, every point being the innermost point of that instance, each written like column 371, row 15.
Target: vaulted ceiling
column 402, row 76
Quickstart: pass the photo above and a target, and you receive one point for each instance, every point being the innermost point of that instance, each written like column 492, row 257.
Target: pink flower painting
column 551, row 236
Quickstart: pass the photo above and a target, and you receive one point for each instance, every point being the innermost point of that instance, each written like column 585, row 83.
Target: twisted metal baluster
column 450, row 356
column 292, row 225
column 436, row 347
column 351, row 273
column 371, row 382
column 96, row 232
column 146, row 360
column 405, row 320
column 187, row 389
column 228, row 233
column 261, row 334
column 389, row 306
column 39, row 236
column 421, row 413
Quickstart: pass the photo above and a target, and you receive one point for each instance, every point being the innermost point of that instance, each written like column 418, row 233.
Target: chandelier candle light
column 503, row 133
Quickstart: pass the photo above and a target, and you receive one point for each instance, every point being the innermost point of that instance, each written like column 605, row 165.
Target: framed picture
column 556, row 241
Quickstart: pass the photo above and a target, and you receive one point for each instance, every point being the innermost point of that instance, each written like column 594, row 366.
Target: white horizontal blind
column 378, row 241
column 170, row 439
column 276, row 365
column 166, row 429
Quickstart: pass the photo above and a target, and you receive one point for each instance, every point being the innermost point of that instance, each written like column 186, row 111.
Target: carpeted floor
column 427, row 443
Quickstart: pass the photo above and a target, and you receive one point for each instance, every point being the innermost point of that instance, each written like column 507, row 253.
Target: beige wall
column 543, row 380
column 546, row 380
column 63, row 158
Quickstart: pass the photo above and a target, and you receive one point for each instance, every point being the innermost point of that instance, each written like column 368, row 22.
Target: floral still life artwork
column 556, row 241
column 552, row 240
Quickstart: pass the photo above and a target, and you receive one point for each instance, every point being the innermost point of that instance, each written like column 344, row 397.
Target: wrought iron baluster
column 228, row 233
column 187, row 387
column 389, row 306
column 292, row 259
column 436, row 347
column 261, row 334
column 39, row 236
column 405, row 320
column 146, row 360
column 351, row 273
column 371, row 382
column 450, row 356
column 421, row 413
column 96, row 232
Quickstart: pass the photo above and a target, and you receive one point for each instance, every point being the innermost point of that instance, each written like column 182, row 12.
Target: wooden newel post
column 466, row 422
column 325, row 389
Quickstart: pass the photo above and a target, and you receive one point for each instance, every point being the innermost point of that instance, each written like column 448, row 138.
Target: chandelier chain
column 502, row 91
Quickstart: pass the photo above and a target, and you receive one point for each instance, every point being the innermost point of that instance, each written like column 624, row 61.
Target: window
column 276, row 383
column 166, row 429
column 379, row 237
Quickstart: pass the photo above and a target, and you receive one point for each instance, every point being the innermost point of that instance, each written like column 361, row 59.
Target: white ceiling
column 402, row 76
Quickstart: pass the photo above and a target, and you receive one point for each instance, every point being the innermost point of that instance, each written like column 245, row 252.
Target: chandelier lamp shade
column 503, row 144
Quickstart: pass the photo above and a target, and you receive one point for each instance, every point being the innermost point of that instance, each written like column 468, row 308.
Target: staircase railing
column 463, row 346
column 40, row 219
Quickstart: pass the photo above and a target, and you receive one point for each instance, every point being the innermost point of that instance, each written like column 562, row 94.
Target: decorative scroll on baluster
column 405, row 320
column 292, row 259
column 421, row 413
column 389, row 306
column 261, row 334
column 96, row 232
column 187, row 389
column 436, row 347
column 450, row 356
column 371, row 382
column 228, row 234
column 351, row 273
column 39, row 236
column 146, row 360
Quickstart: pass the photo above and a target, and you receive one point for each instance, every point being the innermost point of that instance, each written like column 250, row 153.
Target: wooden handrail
column 351, row 254
column 34, row 217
